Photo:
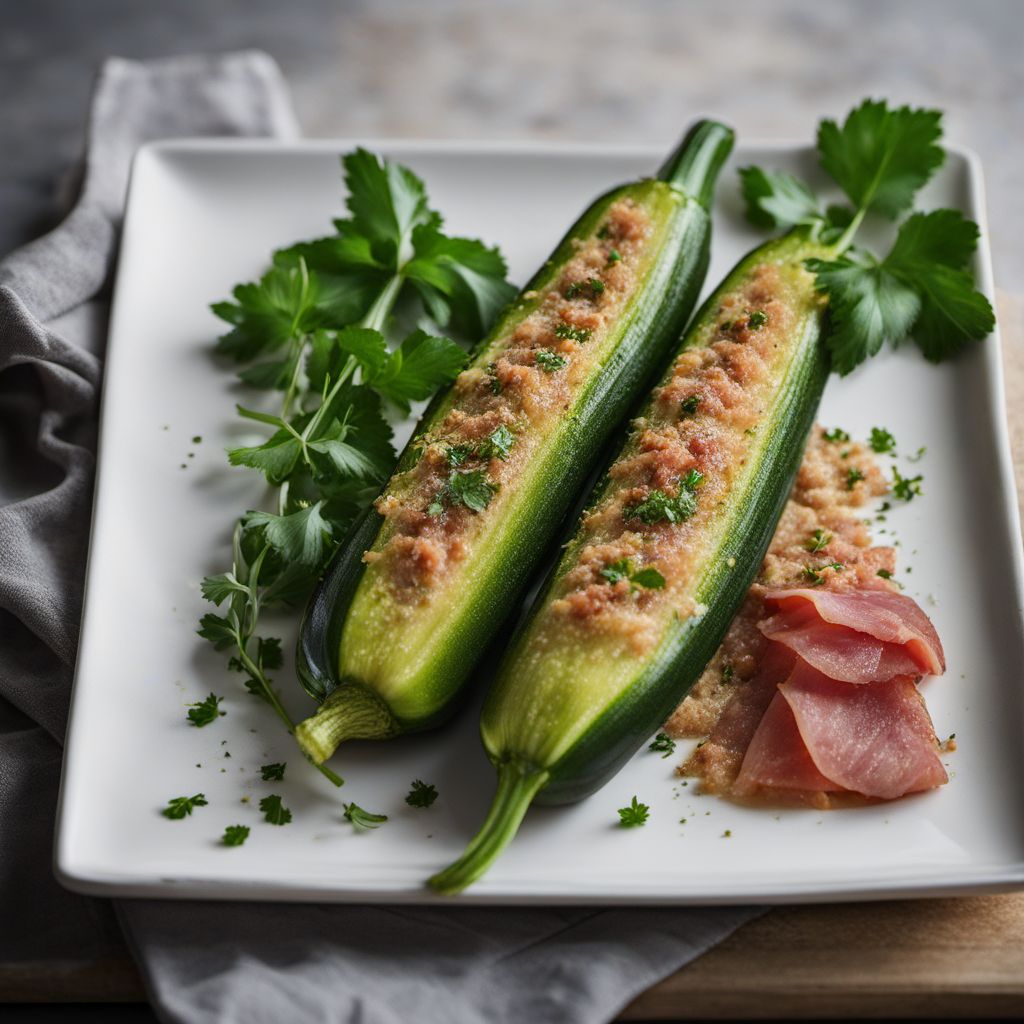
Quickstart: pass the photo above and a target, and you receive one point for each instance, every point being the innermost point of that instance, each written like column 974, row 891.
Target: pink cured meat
column 777, row 756
column 838, row 651
column 886, row 617
column 875, row 740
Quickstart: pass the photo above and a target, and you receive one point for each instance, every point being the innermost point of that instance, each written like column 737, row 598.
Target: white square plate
column 205, row 215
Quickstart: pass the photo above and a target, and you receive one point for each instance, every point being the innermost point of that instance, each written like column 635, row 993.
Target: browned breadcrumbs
column 820, row 527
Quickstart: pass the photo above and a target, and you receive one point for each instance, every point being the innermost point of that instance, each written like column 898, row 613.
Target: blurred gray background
column 579, row 69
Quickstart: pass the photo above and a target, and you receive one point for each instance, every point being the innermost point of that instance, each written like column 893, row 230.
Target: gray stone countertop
column 593, row 70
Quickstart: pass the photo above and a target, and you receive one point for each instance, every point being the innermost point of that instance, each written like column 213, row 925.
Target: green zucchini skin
column 524, row 714
column 652, row 321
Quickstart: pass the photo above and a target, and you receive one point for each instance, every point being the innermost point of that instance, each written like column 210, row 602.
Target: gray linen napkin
column 206, row 962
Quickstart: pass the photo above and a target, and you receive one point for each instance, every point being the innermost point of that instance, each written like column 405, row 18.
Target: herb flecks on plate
column 316, row 329
column 923, row 288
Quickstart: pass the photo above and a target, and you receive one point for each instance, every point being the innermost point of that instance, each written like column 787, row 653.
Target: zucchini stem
column 351, row 712
column 693, row 165
column 517, row 786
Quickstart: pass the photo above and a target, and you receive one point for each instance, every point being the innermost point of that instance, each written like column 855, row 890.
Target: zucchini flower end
column 351, row 712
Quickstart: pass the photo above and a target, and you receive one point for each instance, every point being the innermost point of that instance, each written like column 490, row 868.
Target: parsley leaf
column 298, row 537
column 497, row 444
column 549, row 361
column 658, row 506
column 417, row 368
column 235, row 835
column 274, row 811
column 930, row 255
column 836, row 435
column 777, row 199
column 205, row 711
column 273, row 772
column 362, row 819
column 867, row 306
column 906, row 487
column 662, row 744
column 181, row 806
column 422, row 794
column 471, row 489
column 882, row 441
column 633, row 815
column 853, row 475
column 818, row 540
column 648, row 577
column 881, row 157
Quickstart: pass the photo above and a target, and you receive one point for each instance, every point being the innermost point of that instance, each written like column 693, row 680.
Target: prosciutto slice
column 875, row 615
column 828, row 735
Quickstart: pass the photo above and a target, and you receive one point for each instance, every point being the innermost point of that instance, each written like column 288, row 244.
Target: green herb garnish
column 905, row 487
column 757, row 320
column 614, row 256
column 923, row 288
column 689, row 405
column 882, row 441
column 816, row 576
column 659, row 506
column 836, row 435
column 205, row 711
column 648, row 577
column 549, row 361
column 818, row 540
column 497, row 444
column 633, row 815
column 422, row 794
column 273, row 772
column 853, row 475
column 662, row 744
column 235, row 835
column 569, row 333
column 181, row 806
column 274, row 811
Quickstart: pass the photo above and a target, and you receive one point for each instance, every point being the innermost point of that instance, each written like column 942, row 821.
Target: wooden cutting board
column 940, row 958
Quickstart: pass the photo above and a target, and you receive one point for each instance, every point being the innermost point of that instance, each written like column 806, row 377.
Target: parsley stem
column 846, row 238
column 378, row 313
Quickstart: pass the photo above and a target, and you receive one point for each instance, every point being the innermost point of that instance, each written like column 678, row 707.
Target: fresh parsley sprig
column 923, row 288
column 318, row 328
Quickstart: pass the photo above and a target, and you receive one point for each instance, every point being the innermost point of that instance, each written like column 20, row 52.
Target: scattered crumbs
column 727, row 834
column 227, row 753
column 777, row 817
column 191, row 455
column 931, row 600
column 223, row 742
column 706, row 813
column 165, row 427
column 730, row 561
column 685, row 783
column 223, row 770
column 682, row 821
column 198, row 765
column 430, row 836
column 244, row 800
column 183, row 466
column 198, row 439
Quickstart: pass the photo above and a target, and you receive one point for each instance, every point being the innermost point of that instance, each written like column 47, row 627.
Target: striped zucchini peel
column 380, row 667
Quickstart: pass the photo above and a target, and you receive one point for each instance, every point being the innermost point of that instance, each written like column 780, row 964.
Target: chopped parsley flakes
column 235, row 835
column 836, row 435
column 905, row 487
column 689, row 405
column 179, row 807
column 818, row 540
column 274, row 811
column 549, row 361
column 422, row 794
column 853, row 475
column 648, row 577
column 658, row 506
column 882, row 441
column 205, row 711
column 569, row 333
column 633, row 815
column 662, row 744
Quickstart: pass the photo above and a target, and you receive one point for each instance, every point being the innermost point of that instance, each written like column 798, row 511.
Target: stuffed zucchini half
column 663, row 557
column 418, row 591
